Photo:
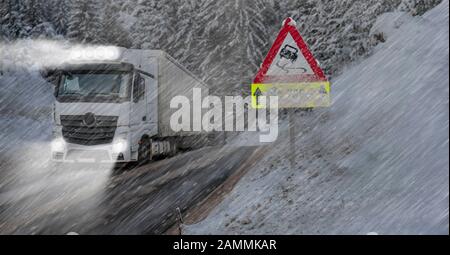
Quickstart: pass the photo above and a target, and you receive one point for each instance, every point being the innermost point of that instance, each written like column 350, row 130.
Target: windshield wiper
column 99, row 94
column 71, row 93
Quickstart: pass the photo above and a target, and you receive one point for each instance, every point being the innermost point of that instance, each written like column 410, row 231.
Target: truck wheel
column 120, row 167
column 173, row 148
column 144, row 151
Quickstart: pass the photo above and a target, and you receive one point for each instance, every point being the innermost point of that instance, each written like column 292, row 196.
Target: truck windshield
column 91, row 86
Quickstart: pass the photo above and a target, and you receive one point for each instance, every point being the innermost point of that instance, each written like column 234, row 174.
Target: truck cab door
column 152, row 104
column 138, row 112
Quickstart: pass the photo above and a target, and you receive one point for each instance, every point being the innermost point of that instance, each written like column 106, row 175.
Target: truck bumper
column 90, row 154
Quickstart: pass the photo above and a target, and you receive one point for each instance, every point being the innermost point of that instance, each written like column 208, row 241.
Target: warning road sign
column 291, row 72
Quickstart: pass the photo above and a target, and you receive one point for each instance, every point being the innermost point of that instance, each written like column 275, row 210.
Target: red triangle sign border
column 289, row 28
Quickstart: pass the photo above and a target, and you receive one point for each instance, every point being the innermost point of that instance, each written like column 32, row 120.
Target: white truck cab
column 118, row 110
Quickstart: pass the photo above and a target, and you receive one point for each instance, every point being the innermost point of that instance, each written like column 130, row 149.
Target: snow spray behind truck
column 118, row 109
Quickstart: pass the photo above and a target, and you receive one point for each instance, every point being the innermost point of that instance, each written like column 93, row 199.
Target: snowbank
column 376, row 161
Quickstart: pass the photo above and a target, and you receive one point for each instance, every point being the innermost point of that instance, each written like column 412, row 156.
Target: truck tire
column 144, row 152
column 173, row 148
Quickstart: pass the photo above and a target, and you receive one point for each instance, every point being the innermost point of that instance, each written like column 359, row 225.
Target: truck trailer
column 118, row 110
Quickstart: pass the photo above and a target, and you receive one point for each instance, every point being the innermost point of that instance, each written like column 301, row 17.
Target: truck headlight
column 119, row 146
column 58, row 145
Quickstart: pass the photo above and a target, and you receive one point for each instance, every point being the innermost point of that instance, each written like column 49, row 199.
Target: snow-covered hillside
column 26, row 102
column 376, row 161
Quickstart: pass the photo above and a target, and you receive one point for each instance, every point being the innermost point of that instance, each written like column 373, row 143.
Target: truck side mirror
column 53, row 77
column 50, row 76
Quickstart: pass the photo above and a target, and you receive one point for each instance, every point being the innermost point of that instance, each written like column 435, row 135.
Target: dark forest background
column 221, row 41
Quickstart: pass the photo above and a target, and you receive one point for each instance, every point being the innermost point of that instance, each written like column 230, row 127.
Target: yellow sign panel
column 292, row 95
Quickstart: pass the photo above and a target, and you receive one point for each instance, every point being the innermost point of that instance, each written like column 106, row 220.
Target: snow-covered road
column 90, row 199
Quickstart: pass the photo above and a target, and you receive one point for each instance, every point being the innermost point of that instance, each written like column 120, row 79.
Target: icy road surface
column 92, row 200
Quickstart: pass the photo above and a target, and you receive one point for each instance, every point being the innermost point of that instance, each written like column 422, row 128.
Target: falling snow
column 375, row 162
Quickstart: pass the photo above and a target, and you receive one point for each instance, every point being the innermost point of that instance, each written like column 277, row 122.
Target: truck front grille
column 74, row 129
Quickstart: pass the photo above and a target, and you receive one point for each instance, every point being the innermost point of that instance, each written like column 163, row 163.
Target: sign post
column 290, row 72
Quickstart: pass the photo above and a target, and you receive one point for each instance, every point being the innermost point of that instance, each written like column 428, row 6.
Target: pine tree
column 153, row 29
column 38, row 17
column 234, row 41
column 417, row 7
column 185, row 36
column 34, row 12
column 13, row 23
column 59, row 16
column 114, row 33
column 27, row 18
column 84, row 22
column 4, row 16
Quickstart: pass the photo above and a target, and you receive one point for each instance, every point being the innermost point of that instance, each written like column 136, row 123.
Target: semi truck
column 118, row 109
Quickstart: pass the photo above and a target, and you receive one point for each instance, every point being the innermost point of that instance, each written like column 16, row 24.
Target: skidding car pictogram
column 289, row 52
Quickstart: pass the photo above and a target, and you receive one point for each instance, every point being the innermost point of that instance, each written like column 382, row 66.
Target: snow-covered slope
column 25, row 110
column 376, row 161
